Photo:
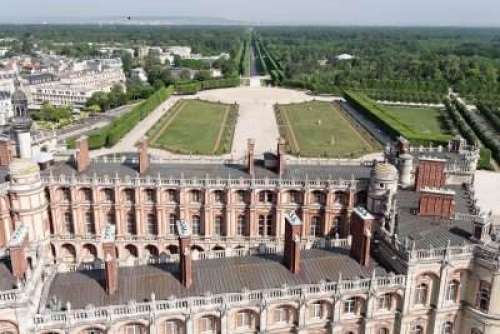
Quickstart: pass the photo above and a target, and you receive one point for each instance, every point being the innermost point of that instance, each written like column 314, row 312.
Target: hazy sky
column 359, row 12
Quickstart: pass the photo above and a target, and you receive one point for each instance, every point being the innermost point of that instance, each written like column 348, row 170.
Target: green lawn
column 423, row 120
column 192, row 127
column 320, row 129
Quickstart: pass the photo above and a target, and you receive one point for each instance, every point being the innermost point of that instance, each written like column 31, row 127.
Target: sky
column 321, row 12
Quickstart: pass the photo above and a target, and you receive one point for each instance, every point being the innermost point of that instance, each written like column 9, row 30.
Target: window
column 108, row 195
column 219, row 196
column 135, row 329
column 89, row 223
column 315, row 228
column 447, row 328
column 243, row 319
column 66, row 195
column 340, row 198
column 131, row 225
column 129, row 196
column 110, row 218
column 240, row 196
column 241, row 226
column 350, row 306
column 207, row 324
column 316, row 310
column 282, row 315
column 151, row 224
column 86, row 195
column 475, row 331
column 171, row 196
column 294, row 197
column 150, row 196
column 384, row 302
column 416, row 329
column 172, row 219
column 452, row 291
column 483, row 296
column 93, row 331
column 172, row 327
column 68, row 223
column 196, row 196
column 421, row 294
column 218, row 225
column 266, row 196
column 265, row 225
column 383, row 331
column 335, row 228
column 317, row 197
column 196, row 225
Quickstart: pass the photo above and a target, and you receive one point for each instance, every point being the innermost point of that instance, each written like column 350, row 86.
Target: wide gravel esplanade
column 256, row 118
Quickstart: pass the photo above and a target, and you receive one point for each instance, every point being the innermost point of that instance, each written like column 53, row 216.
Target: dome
column 385, row 171
column 23, row 167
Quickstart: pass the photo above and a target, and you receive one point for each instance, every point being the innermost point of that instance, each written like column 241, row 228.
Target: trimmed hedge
column 392, row 125
column 110, row 135
column 193, row 87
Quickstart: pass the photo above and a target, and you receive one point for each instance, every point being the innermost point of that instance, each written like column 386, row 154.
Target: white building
column 138, row 74
column 181, row 51
column 5, row 107
column 7, row 80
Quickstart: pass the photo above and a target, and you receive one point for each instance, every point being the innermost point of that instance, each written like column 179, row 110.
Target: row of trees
column 50, row 113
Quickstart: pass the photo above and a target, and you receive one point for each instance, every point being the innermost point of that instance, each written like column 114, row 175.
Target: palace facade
column 132, row 244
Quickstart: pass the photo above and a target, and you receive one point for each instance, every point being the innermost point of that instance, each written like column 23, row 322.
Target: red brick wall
column 5, row 153
column 111, row 271
column 437, row 205
column 18, row 261
column 143, row 156
column 430, row 174
column 186, row 262
column 361, row 230
column 292, row 247
column 82, row 154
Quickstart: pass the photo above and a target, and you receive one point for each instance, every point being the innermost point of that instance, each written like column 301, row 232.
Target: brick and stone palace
column 134, row 245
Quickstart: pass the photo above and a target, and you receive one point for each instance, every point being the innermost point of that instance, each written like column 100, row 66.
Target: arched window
column 483, row 296
column 93, row 331
column 151, row 224
column 241, row 227
column 89, row 223
column 294, row 197
column 340, row 198
column 172, row 219
column 68, row 223
column 65, row 195
column 318, row 197
column 108, row 195
column 266, row 196
column 135, row 329
column 195, row 196
column 86, row 195
column 452, row 291
column 421, row 294
column 196, row 225
column 173, row 327
column 219, row 225
column 416, row 329
column 350, row 306
column 315, row 227
column 240, row 196
column 131, row 224
column 171, row 196
column 244, row 319
column 384, row 302
column 219, row 197
column 265, row 225
column 150, row 196
column 447, row 328
column 129, row 196
column 383, row 331
column 316, row 310
column 207, row 324
column 110, row 218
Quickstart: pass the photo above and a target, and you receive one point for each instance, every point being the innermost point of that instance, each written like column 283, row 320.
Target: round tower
column 21, row 121
column 27, row 198
column 405, row 170
column 383, row 187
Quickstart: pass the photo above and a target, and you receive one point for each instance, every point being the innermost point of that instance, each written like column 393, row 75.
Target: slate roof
column 427, row 231
column 7, row 280
column 200, row 171
column 214, row 276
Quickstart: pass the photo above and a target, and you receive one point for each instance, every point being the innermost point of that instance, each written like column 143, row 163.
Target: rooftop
column 7, row 280
column 226, row 275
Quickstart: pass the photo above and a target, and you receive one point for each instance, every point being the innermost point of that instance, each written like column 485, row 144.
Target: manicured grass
column 195, row 127
column 423, row 120
column 321, row 129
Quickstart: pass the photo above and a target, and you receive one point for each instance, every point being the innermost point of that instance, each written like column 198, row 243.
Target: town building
column 5, row 108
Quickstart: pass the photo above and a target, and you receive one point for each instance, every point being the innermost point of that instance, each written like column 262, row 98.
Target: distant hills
column 132, row 20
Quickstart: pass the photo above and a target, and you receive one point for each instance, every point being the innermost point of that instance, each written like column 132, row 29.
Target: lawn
column 195, row 127
column 321, row 129
column 423, row 120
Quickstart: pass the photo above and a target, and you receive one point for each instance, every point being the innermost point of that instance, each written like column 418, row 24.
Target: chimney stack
column 251, row 156
column 5, row 152
column 430, row 173
column 111, row 270
column 293, row 230
column 186, row 269
column 142, row 148
column 17, row 251
column 437, row 203
column 82, row 154
column 361, row 230
column 281, row 156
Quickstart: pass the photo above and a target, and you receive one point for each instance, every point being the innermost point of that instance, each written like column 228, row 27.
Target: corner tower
column 21, row 121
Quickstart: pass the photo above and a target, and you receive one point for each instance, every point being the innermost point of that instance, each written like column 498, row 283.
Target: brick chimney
column 293, row 230
column 17, row 251
column 251, row 156
column 430, row 173
column 142, row 150
column 403, row 145
column 111, row 269
column 281, row 156
column 5, row 152
column 186, row 268
column 361, row 230
column 437, row 203
column 82, row 154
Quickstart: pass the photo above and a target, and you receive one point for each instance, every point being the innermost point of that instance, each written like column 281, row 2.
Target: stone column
column 189, row 324
column 263, row 318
